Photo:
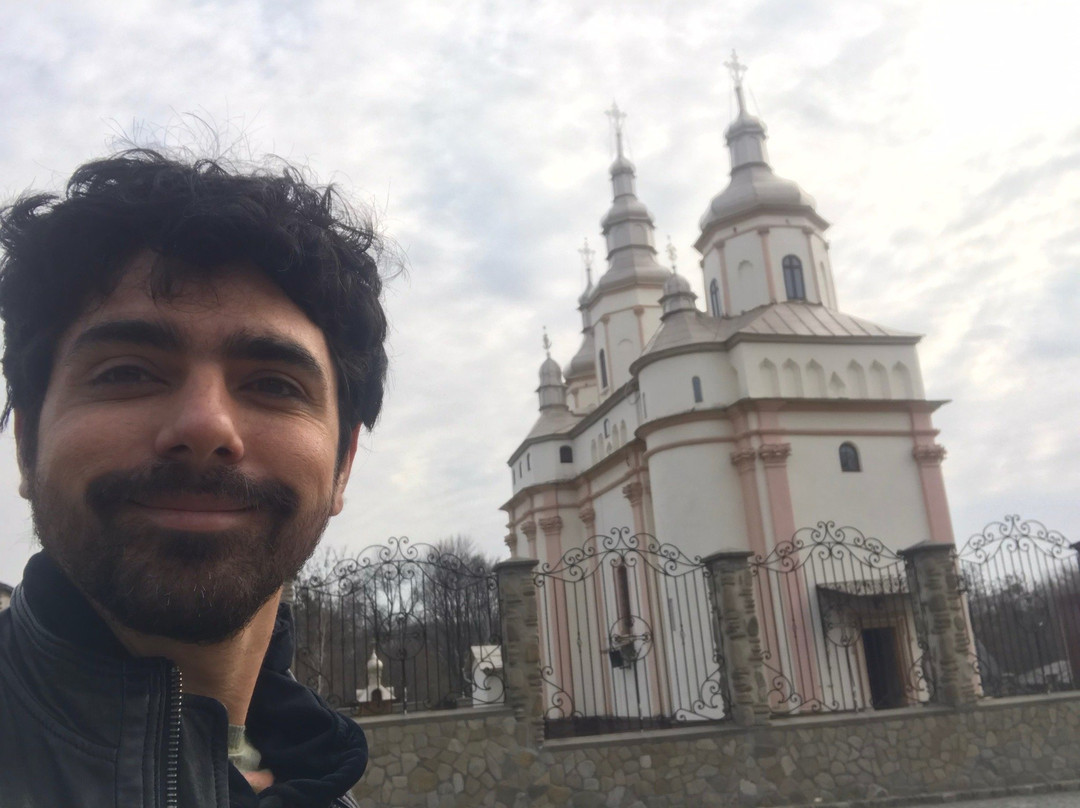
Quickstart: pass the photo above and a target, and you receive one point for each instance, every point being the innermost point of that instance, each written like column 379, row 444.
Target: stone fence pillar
column 947, row 642
column 732, row 595
column 521, row 647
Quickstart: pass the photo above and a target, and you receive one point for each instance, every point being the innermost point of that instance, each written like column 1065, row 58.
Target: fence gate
column 628, row 639
column 839, row 629
column 1022, row 584
column 401, row 627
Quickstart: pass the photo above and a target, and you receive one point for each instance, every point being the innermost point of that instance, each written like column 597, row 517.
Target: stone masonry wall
column 473, row 758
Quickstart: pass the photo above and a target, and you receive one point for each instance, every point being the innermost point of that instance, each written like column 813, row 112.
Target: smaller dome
column 676, row 284
column 550, row 372
column 677, row 296
column 621, row 166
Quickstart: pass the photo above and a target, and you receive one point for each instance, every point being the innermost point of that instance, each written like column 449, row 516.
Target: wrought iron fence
column 1022, row 585
column 401, row 627
column 839, row 628
column 628, row 638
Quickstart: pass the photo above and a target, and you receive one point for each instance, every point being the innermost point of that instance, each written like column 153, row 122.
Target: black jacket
column 84, row 723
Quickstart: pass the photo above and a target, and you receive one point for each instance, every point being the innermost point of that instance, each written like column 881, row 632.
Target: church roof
column 789, row 320
column 553, row 421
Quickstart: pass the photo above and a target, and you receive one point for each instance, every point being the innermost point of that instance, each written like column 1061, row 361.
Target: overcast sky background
column 941, row 139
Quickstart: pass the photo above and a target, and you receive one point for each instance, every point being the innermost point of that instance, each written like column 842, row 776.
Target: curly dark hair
column 62, row 252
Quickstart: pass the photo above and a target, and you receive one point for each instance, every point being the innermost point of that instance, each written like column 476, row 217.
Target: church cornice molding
column 752, row 211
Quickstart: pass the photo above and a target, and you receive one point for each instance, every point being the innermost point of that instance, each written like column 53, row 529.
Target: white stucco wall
column 668, row 383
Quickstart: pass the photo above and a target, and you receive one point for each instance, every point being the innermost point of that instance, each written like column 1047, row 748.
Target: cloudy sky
column 941, row 139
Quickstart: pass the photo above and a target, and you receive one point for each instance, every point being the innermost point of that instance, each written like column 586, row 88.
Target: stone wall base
column 472, row 758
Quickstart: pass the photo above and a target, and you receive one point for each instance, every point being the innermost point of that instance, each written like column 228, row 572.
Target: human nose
column 200, row 426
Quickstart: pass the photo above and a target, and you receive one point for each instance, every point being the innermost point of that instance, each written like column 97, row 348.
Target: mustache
column 109, row 492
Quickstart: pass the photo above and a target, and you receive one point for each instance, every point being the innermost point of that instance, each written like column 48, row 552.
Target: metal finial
column 547, row 343
column 617, row 117
column 737, row 70
column 587, row 254
column 671, row 254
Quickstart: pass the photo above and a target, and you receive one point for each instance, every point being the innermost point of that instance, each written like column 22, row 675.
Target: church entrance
column 883, row 668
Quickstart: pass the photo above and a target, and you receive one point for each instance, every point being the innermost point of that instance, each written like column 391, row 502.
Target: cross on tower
column 735, row 68
column 671, row 254
column 547, row 343
column 617, row 117
column 587, row 254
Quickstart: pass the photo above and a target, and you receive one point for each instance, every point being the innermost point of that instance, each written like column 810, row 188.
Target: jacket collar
column 316, row 754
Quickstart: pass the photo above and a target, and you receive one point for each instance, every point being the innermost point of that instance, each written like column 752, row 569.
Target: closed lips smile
column 194, row 512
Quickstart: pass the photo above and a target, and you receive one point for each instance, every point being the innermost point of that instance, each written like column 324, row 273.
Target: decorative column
column 557, row 617
column 764, row 233
column 774, row 457
column 511, row 543
column 941, row 621
column 732, row 594
column 587, row 515
column 929, row 456
column 521, row 648
column 529, row 529
column 646, row 586
column 745, row 461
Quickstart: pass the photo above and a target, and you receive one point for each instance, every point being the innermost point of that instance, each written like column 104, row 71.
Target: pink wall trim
column 764, row 233
column 558, row 618
column 813, row 265
column 635, row 493
column 725, row 287
column 928, row 455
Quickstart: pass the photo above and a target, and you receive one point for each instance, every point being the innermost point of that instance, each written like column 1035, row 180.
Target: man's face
column 186, row 456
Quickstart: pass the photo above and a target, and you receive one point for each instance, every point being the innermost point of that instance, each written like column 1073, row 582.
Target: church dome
column 550, row 372
column 584, row 362
column 753, row 187
column 677, row 296
column 676, row 284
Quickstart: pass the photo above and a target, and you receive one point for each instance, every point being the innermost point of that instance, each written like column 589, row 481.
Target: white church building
column 728, row 428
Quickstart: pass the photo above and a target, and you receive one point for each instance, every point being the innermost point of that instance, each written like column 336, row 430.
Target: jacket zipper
column 172, row 744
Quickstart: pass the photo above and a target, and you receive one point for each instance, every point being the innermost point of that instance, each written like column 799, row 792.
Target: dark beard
column 191, row 586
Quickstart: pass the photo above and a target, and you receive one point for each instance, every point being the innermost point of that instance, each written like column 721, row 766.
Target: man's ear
column 343, row 472
column 19, row 425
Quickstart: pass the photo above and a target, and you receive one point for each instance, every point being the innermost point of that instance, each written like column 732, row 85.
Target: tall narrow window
column 607, row 428
column 714, row 298
column 528, row 463
column 603, row 370
column 793, row 278
column 849, row 457
column 696, row 384
column 566, row 454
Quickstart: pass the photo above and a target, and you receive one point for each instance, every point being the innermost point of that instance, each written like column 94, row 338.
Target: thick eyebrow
column 273, row 348
column 133, row 332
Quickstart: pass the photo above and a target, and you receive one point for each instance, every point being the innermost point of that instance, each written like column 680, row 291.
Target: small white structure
column 375, row 692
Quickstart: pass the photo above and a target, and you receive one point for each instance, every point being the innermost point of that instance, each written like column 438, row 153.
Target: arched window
column 849, row 457
column 714, row 298
column 566, row 454
column 607, row 428
column 603, row 370
column 793, row 278
column 528, row 462
column 696, row 384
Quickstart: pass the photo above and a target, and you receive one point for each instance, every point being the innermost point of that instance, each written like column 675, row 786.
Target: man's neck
column 225, row 671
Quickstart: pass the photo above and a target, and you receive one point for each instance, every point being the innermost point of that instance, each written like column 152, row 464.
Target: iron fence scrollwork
column 1021, row 581
column 840, row 630
column 401, row 626
column 628, row 637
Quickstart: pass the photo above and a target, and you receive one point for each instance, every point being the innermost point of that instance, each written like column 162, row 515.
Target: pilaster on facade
column 929, row 454
column 774, row 454
column 744, row 460
column 634, row 492
column 552, row 526
column 529, row 529
column 587, row 515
